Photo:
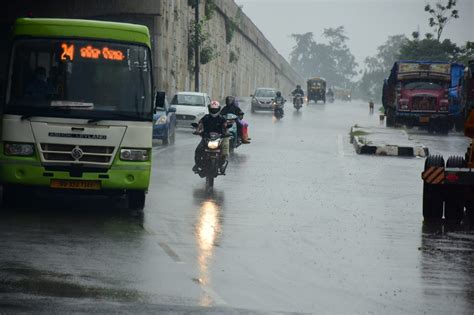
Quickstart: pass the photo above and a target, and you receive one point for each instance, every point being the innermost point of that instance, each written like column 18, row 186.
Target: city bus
column 78, row 109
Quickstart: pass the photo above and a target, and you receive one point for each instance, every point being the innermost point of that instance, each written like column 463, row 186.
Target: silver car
column 262, row 99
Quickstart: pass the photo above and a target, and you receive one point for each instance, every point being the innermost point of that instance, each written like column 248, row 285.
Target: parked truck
column 417, row 94
column 78, row 110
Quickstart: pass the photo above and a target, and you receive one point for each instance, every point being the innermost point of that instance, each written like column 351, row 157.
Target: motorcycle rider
column 231, row 107
column 330, row 93
column 279, row 99
column 298, row 90
column 212, row 122
column 278, row 103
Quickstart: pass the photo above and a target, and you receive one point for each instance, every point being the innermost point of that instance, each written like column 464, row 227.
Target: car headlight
column 161, row 121
column 214, row 144
column 19, row 149
column 134, row 155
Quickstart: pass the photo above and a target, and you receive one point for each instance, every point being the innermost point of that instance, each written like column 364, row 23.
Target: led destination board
column 91, row 52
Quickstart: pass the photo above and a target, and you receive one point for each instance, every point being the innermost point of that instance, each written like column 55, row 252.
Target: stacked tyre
column 449, row 198
column 432, row 198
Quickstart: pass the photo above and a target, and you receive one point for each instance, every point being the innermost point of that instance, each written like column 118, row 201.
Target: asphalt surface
column 300, row 223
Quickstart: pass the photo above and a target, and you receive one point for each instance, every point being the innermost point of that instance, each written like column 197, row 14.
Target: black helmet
column 214, row 108
column 298, row 86
column 278, row 93
column 229, row 100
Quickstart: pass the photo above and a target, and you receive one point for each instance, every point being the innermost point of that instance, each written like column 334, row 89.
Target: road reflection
column 446, row 264
column 208, row 230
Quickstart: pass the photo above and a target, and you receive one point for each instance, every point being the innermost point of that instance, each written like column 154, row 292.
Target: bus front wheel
column 136, row 199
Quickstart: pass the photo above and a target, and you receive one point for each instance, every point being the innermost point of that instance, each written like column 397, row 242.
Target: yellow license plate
column 424, row 119
column 75, row 184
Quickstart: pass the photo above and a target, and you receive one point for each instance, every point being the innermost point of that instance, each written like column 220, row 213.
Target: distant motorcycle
column 298, row 101
column 212, row 164
column 330, row 98
column 278, row 108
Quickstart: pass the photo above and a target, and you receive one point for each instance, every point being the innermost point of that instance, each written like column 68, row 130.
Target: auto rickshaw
column 316, row 89
column 343, row 94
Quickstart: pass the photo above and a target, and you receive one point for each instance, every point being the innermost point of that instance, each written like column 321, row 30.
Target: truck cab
column 417, row 94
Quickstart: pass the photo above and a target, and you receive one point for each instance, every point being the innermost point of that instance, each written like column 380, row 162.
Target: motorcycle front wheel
column 210, row 176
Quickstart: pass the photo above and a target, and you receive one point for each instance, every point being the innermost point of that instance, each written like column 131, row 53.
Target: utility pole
column 197, row 36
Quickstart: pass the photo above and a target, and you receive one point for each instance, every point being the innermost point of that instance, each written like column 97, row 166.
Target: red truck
column 417, row 94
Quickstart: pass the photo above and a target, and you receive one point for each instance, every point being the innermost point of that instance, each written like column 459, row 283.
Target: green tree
column 377, row 68
column 333, row 61
column 440, row 15
column 430, row 49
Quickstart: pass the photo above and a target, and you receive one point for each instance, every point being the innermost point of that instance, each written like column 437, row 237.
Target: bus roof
column 317, row 78
column 83, row 29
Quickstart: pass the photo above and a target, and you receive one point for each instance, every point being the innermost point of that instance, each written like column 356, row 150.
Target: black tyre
column 454, row 205
column 456, row 162
column 136, row 199
column 432, row 198
column 390, row 118
column 470, row 210
column 211, row 173
column 459, row 125
column 166, row 140
column 16, row 196
column 432, row 203
column 173, row 137
column 434, row 160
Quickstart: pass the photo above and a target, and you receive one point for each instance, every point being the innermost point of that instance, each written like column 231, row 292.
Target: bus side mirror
column 159, row 99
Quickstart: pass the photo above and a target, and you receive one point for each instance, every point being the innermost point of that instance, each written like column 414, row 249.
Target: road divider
column 385, row 141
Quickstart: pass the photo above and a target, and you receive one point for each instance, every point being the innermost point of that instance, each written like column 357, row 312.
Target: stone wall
column 258, row 63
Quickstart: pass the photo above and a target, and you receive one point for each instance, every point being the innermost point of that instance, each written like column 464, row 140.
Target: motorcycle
column 234, row 139
column 297, row 101
column 211, row 164
column 278, row 108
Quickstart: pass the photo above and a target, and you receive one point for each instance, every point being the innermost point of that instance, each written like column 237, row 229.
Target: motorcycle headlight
column 213, row 144
column 161, row 121
column 134, row 155
column 19, row 149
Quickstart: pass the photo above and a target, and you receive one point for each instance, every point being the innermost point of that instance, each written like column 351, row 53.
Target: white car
column 190, row 107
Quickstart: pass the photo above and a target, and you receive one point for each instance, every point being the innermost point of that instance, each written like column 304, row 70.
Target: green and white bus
column 78, row 109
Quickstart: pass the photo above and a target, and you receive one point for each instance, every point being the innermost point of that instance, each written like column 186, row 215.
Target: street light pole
column 196, row 47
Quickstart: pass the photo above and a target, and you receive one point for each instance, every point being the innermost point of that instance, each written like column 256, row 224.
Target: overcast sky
column 368, row 23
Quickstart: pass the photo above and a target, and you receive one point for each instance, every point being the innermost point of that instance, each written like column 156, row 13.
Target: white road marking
column 165, row 247
column 340, row 145
column 213, row 295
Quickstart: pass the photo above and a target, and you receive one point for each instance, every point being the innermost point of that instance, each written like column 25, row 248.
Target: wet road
column 299, row 224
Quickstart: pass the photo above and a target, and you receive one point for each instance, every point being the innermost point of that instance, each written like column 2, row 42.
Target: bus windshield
column 80, row 79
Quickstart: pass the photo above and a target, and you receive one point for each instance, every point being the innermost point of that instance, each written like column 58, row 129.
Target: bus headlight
column 134, row 155
column 19, row 149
